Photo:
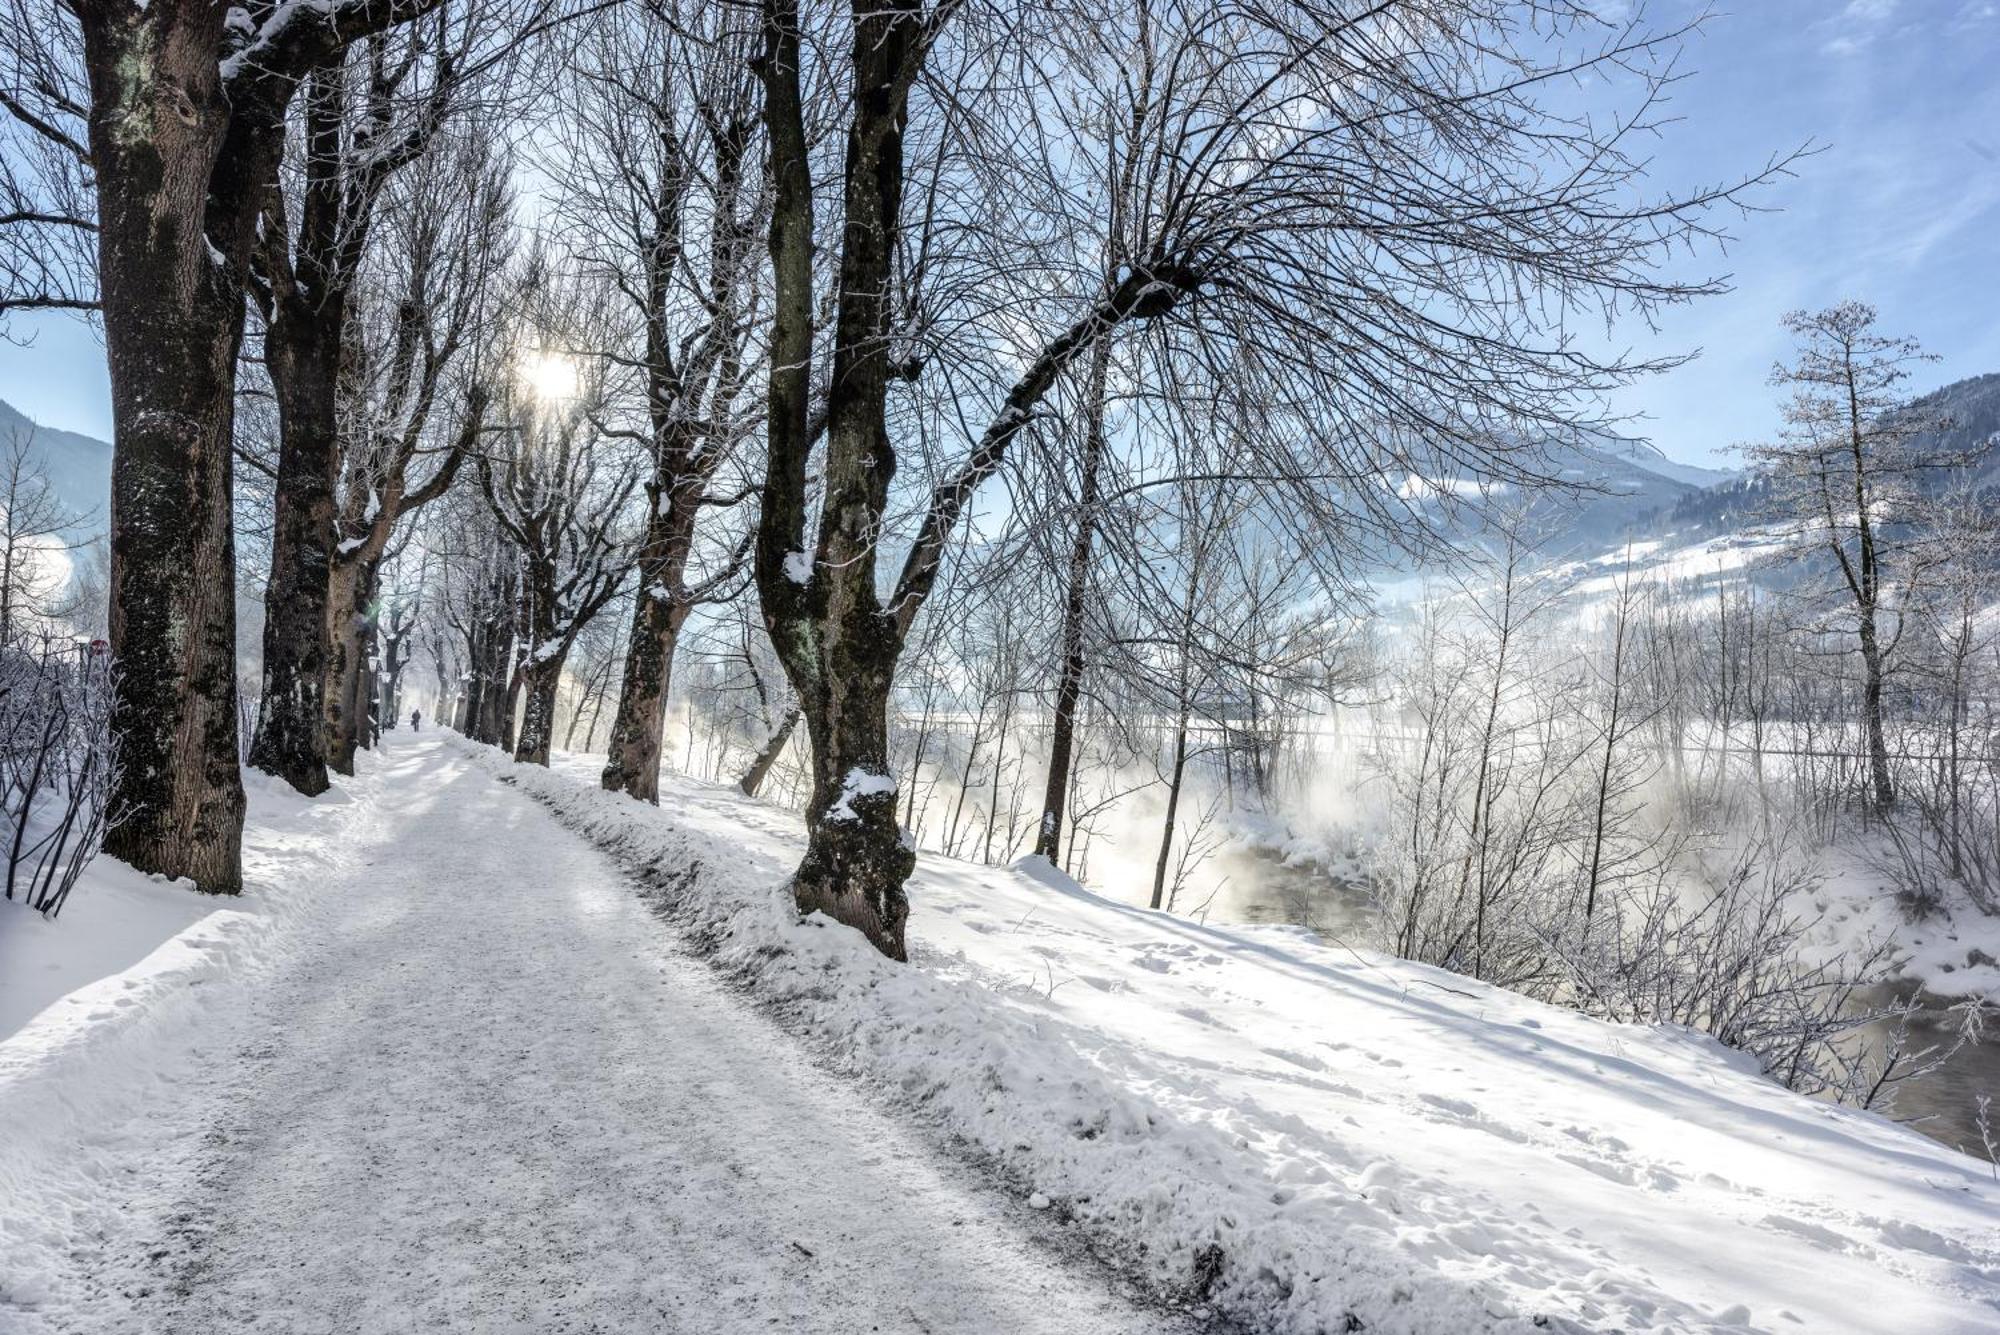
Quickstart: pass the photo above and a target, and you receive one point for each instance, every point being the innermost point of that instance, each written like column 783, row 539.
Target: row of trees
column 1211, row 314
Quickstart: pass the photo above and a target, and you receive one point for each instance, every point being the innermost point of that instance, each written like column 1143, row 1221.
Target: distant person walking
column 416, row 720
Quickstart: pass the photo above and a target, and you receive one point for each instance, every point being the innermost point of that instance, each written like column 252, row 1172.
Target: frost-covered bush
column 1727, row 947
column 1539, row 838
column 58, row 766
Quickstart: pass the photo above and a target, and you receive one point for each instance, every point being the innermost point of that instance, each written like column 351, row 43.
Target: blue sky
column 1902, row 208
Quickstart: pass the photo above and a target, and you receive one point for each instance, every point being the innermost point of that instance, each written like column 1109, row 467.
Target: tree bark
column 1868, row 596
column 1880, row 777
column 539, row 682
column 661, row 608
column 856, row 857
column 173, row 171
column 302, row 351
column 1174, row 780
column 349, row 626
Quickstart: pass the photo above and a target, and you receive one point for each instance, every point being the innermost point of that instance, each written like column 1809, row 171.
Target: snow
column 1361, row 1137
column 96, row 1084
column 798, row 567
column 116, row 918
column 441, row 1068
column 1953, row 953
column 855, row 785
column 445, row 1065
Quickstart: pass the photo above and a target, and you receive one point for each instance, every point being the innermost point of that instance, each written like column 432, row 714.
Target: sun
column 551, row 377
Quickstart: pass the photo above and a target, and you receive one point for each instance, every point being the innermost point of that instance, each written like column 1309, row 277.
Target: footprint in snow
column 1816, row 1234
column 1200, row 1016
column 1457, row 1107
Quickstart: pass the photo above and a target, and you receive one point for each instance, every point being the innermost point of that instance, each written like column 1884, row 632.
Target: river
column 1941, row 1103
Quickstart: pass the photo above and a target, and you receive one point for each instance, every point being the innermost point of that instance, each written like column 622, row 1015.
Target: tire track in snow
column 492, row 1098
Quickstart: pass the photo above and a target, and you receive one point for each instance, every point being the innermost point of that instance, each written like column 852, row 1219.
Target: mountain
column 1644, row 457
column 1971, row 407
column 78, row 468
column 1624, row 486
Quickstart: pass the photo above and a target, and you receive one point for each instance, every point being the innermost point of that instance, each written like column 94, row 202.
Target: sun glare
column 550, row 376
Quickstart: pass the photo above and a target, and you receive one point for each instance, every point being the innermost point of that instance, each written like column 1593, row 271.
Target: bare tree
column 1354, row 215
column 179, row 129
column 661, row 201
column 1845, row 471
column 34, row 527
column 362, row 117
column 560, row 494
column 416, row 391
column 479, row 594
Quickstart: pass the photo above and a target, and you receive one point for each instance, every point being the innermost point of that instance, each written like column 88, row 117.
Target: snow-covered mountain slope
column 1322, row 1138
column 1601, row 491
column 1645, row 457
column 78, row 468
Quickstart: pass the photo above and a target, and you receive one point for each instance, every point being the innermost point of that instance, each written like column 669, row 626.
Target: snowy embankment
column 1312, row 1138
column 109, row 1020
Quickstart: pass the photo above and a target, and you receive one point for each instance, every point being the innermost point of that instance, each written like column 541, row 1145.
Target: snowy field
column 445, row 1067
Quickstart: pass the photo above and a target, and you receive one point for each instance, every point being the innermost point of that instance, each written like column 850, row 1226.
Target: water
column 1255, row 887
column 1944, row 1103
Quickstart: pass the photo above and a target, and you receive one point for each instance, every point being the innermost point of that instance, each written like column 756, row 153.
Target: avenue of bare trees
column 987, row 429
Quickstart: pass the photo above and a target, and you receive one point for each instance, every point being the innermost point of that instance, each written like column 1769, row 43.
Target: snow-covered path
column 442, row 1068
column 488, row 1096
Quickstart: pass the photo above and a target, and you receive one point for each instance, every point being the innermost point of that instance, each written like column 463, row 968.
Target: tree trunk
column 658, row 612
column 1880, row 779
column 370, row 711
column 596, row 714
column 856, row 857
column 1173, row 809
column 539, row 682
column 774, row 746
column 173, row 234
column 489, row 688
column 491, row 643
column 395, row 657
column 302, row 351
column 838, row 643
column 349, row 629
column 466, row 720
column 1069, row 686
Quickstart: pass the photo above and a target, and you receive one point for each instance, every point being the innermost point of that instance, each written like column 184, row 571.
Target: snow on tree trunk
column 857, row 857
column 160, row 131
column 658, row 612
column 293, row 714
column 539, row 680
